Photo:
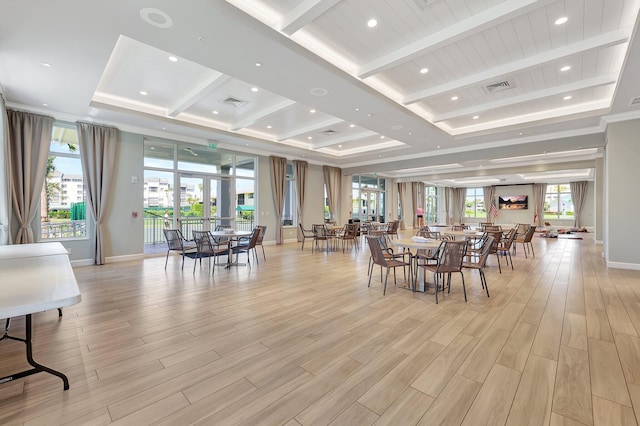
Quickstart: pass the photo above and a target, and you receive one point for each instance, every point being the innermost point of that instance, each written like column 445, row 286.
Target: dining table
column 35, row 278
column 415, row 243
column 231, row 235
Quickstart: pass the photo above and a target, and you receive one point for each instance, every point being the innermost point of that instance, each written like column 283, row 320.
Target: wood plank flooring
column 300, row 340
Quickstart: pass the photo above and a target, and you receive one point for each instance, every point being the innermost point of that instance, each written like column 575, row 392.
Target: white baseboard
column 599, row 242
column 82, row 262
column 124, row 258
column 622, row 265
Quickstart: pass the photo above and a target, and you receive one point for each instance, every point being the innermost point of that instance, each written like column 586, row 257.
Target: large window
column 431, row 204
column 474, row 203
column 558, row 203
column 289, row 209
column 62, row 202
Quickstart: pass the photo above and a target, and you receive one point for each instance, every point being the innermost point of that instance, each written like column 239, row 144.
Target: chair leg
column 499, row 267
column 435, row 282
column 386, row 277
column 532, row 252
column 166, row 260
column 370, row 275
column 464, row 289
column 510, row 259
column 483, row 278
column 264, row 255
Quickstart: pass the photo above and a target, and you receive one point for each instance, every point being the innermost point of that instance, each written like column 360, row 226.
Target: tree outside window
column 558, row 202
column 474, row 203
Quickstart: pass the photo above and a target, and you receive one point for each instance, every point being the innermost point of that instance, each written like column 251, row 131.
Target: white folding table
column 35, row 278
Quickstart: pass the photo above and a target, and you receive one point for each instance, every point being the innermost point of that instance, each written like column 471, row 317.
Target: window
column 474, row 204
column 289, row 210
column 558, row 203
column 63, row 208
column 431, row 204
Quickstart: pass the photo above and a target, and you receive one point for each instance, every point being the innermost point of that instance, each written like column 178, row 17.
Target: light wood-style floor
column 300, row 339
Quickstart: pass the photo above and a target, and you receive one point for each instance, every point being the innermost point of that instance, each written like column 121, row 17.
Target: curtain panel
column 300, row 170
column 578, row 194
column 29, row 140
column 332, row 181
column 402, row 189
column 415, row 187
column 539, row 194
column 278, row 177
column 489, row 193
column 448, row 205
column 5, row 175
column 459, row 198
column 98, row 150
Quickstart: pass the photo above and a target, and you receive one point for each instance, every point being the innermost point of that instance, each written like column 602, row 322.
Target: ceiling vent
column 635, row 101
column 500, row 86
column 329, row 132
column 235, row 102
column 422, row 4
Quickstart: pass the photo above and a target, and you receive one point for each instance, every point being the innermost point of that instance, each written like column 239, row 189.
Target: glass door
column 221, row 203
column 372, row 206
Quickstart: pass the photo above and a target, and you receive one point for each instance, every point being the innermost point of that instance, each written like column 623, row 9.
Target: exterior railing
column 66, row 229
column 153, row 226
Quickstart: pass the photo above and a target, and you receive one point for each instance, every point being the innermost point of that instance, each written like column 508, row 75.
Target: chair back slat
column 376, row 250
column 451, row 256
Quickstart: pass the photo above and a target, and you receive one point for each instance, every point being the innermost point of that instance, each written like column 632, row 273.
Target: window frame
column 478, row 195
column 558, row 198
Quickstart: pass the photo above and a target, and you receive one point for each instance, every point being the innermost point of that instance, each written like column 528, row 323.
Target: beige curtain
column 459, row 198
column 489, row 193
column 300, row 170
column 98, row 149
column 5, row 175
column 414, row 203
column 332, row 181
column 539, row 193
column 278, row 176
column 578, row 194
column 29, row 140
column 448, row 205
column 402, row 188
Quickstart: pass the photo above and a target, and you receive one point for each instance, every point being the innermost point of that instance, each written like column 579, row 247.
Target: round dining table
column 427, row 244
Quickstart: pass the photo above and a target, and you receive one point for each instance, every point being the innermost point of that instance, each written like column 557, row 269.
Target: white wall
column 621, row 188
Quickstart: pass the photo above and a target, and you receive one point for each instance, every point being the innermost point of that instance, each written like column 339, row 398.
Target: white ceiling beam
column 197, row 92
column 251, row 119
column 527, row 97
column 305, row 12
column 606, row 40
column 343, row 139
column 489, row 18
column 309, row 128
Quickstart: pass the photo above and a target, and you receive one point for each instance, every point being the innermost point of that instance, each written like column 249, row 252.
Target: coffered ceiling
column 435, row 89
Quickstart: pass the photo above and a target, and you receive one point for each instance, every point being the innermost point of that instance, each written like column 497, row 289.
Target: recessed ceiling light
column 214, row 112
column 438, row 146
column 372, row 23
column 156, row 17
column 269, row 126
column 318, row 91
column 454, row 98
column 312, row 111
column 562, row 20
column 46, row 64
column 475, row 117
column 381, row 137
column 352, row 125
column 173, row 59
column 45, row 104
column 357, row 109
column 565, row 68
column 309, row 137
column 258, row 64
column 424, row 70
column 339, row 146
column 143, row 93
column 254, row 89
column 164, row 128
column 521, row 133
column 152, row 147
column 410, row 133
column 566, row 98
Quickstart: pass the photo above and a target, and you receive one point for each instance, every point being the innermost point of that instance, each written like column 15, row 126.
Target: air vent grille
column 635, row 101
column 499, row 86
column 329, row 132
column 230, row 100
